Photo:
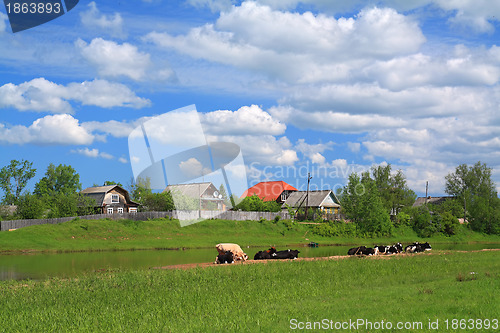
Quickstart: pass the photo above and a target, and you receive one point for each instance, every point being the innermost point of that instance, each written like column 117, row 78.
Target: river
column 41, row 265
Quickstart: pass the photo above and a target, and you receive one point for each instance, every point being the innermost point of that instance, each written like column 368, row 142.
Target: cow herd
column 389, row 249
column 229, row 253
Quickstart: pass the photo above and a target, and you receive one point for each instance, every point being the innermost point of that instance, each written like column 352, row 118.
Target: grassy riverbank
column 261, row 297
column 95, row 235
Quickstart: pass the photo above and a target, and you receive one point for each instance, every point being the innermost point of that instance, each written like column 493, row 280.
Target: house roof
column 193, row 190
column 433, row 200
column 268, row 191
column 99, row 192
column 315, row 199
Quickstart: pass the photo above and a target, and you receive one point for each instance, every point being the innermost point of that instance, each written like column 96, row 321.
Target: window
column 110, row 210
column 115, row 198
column 132, row 210
column 120, row 210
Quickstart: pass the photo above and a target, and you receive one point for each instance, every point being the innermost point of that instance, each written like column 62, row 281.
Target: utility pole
column 307, row 193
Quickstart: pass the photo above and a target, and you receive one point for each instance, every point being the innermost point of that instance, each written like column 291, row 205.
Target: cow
column 370, row 251
column 226, row 258
column 265, row 254
column 417, row 247
column 381, row 248
column 287, row 254
column 356, row 250
column 234, row 248
column 367, row 251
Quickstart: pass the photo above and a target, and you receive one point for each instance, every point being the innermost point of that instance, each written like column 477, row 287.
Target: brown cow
column 234, row 248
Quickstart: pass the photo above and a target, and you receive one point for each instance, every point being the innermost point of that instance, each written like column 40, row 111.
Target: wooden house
column 271, row 191
column 324, row 200
column 206, row 194
column 111, row 199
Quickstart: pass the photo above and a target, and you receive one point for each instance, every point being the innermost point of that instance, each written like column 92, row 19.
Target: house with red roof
column 270, row 191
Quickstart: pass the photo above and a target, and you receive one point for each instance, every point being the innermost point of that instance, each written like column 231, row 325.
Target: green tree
column 223, row 193
column 474, row 188
column 14, row 178
column 110, row 182
column 362, row 204
column 157, row 202
column 394, row 191
column 256, row 204
column 30, row 206
column 62, row 179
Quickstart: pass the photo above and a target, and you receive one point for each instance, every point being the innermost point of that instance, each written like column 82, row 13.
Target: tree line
column 57, row 193
column 379, row 200
column 375, row 201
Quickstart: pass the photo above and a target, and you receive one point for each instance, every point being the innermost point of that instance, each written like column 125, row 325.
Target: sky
column 313, row 86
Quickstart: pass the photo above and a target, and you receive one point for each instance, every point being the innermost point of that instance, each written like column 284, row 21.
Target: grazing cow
column 399, row 247
column 356, row 250
column 234, row 248
column 265, row 254
column 226, row 258
column 287, row 254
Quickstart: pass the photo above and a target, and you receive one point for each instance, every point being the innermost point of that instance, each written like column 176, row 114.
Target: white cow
column 234, row 248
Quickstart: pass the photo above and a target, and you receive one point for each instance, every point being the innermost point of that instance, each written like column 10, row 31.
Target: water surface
column 41, row 266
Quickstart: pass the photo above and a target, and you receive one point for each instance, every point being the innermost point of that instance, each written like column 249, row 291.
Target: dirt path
column 249, row 262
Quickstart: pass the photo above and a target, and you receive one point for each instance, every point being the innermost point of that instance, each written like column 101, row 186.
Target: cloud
column 114, row 60
column 3, row 25
column 313, row 151
column 337, row 122
column 355, row 147
column 255, row 37
column 94, row 20
column 214, row 5
column 193, row 168
column 42, row 95
column 60, row 129
column 246, row 120
column 263, row 149
column 93, row 153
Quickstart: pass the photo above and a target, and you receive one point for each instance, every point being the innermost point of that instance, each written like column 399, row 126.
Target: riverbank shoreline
column 166, row 234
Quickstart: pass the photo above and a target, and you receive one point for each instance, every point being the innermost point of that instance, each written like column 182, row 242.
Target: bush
column 30, row 207
column 336, row 229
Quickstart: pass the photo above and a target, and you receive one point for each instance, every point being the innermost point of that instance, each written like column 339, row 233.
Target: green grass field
column 94, row 235
column 265, row 297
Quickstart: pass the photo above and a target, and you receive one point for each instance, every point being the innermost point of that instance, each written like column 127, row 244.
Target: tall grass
column 259, row 297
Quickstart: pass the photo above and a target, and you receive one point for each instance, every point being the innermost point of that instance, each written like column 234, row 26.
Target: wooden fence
column 182, row 215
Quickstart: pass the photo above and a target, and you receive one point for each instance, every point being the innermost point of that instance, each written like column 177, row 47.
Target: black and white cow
column 418, row 247
column 226, row 258
column 370, row 251
column 287, row 254
column 265, row 254
column 367, row 251
column 356, row 250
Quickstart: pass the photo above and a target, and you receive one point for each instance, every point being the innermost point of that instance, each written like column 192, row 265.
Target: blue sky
column 328, row 87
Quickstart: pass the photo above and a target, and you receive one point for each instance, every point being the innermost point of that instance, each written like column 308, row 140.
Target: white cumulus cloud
column 60, row 129
column 42, row 95
column 95, row 20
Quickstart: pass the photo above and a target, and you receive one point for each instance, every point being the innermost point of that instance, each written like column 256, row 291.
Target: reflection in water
column 40, row 266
